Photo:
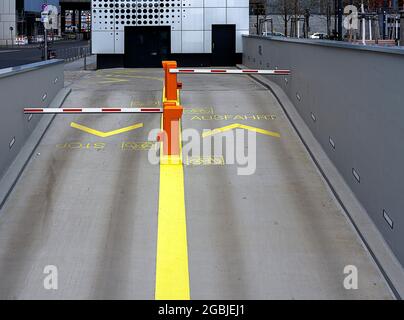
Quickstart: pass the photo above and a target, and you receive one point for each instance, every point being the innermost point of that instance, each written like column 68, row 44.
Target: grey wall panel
column 33, row 85
column 191, row 18
column 7, row 20
column 356, row 97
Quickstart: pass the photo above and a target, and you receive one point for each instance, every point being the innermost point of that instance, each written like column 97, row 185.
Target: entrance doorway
column 146, row 47
column 223, row 45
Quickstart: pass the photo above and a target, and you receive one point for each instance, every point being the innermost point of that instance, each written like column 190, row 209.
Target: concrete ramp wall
column 352, row 99
column 32, row 85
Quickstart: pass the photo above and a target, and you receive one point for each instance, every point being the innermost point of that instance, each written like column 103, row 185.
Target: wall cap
column 332, row 44
column 11, row 71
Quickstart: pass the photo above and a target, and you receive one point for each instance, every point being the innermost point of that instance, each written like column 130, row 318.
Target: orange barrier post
column 171, row 128
column 170, row 81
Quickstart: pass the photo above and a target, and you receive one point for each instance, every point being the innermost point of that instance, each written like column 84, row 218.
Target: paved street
column 18, row 55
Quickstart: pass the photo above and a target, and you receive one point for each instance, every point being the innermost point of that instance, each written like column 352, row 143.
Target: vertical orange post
column 172, row 111
column 171, row 128
column 170, row 81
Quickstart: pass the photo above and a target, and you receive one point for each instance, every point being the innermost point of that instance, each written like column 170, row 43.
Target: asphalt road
column 16, row 56
column 89, row 205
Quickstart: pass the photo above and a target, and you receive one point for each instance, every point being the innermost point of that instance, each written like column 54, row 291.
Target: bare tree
column 258, row 8
column 295, row 9
column 285, row 7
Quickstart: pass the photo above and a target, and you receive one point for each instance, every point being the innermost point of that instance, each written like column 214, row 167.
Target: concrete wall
column 351, row 97
column 7, row 20
column 32, row 85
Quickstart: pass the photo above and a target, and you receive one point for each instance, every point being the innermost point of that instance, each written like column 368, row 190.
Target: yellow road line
column 103, row 134
column 112, row 80
column 172, row 274
column 219, row 130
column 262, row 131
column 125, row 78
column 242, row 126
column 144, row 77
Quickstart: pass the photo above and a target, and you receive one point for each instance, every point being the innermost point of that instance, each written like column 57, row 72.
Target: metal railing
column 72, row 54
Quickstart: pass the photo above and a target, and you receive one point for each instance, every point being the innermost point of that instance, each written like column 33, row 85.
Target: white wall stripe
column 92, row 110
column 232, row 71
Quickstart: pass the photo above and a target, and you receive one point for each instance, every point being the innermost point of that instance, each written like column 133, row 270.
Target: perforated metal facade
column 190, row 20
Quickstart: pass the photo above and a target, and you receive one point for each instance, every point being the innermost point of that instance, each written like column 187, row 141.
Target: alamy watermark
column 351, row 278
column 50, row 281
column 237, row 147
column 351, row 20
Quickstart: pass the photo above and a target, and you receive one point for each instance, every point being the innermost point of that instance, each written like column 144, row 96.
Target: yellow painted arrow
column 112, row 80
column 125, row 78
column 242, row 126
column 105, row 134
column 144, row 77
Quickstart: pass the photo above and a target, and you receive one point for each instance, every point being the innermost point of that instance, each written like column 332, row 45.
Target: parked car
column 21, row 41
column 273, row 34
column 319, row 35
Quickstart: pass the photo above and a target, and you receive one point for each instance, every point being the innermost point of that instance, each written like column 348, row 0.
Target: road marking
column 133, row 146
column 109, row 80
column 123, row 146
column 8, row 51
column 77, row 145
column 145, row 77
column 123, row 71
column 234, row 117
column 201, row 110
column 172, row 274
column 120, row 78
column 145, row 103
column 205, row 161
column 241, row 126
column 105, row 134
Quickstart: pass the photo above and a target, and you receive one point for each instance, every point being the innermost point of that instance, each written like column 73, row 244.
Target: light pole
column 11, row 35
column 340, row 9
column 401, row 42
column 46, row 44
column 45, row 21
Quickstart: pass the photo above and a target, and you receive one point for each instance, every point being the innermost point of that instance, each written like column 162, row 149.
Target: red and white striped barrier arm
column 92, row 110
column 231, row 71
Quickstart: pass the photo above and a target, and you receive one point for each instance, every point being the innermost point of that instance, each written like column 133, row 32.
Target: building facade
column 135, row 33
column 76, row 18
column 7, row 21
column 19, row 18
